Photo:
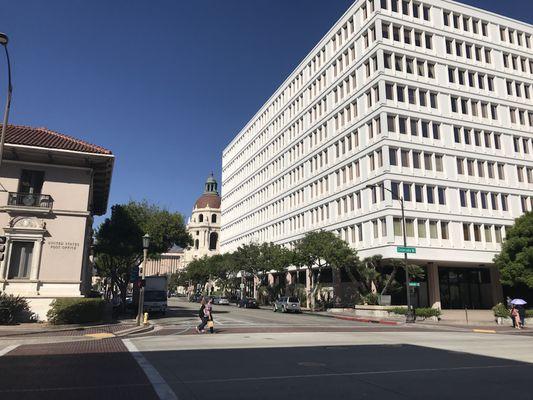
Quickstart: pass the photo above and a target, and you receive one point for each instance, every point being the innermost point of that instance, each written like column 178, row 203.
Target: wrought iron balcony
column 43, row 201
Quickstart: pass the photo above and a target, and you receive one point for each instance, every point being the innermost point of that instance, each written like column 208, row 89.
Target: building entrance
column 465, row 287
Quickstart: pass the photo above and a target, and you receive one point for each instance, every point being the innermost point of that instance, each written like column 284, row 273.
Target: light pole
column 410, row 317
column 146, row 244
column 3, row 41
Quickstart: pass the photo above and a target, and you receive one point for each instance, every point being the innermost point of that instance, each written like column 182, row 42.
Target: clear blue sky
column 164, row 84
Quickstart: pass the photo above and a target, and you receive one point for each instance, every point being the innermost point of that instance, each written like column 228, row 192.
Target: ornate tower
column 204, row 223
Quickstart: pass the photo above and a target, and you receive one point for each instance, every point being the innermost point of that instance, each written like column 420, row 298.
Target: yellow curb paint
column 483, row 330
column 100, row 335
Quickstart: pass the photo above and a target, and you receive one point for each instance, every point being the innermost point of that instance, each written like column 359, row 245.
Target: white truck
column 155, row 294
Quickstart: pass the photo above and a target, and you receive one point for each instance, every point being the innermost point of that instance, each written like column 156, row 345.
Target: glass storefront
column 465, row 287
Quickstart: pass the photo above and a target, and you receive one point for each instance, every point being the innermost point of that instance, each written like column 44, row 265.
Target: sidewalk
column 89, row 369
column 114, row 328
column 474, row 325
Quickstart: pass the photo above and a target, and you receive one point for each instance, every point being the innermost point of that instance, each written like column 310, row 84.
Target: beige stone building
column 204, row 223
column 167, row 264
column 51, row 187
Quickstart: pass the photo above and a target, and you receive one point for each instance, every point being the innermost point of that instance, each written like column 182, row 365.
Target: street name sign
column 415, row 284
column 401, row 249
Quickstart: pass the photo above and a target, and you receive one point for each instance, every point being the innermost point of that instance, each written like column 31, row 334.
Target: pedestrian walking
column 515, row 316
column 522, row 315
column 201, row 313
column 209, row 315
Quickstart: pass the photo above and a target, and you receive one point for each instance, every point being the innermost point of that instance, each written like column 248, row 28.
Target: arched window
column 213, row 239
column 201, row 218
column 196, row 244
column 214, row 218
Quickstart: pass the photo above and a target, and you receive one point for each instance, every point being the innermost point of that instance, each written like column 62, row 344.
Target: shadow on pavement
column 103, row 369
column 340, row 372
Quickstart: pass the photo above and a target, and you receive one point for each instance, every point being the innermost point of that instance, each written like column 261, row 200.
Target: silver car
column 287, row 304
column 221, row 301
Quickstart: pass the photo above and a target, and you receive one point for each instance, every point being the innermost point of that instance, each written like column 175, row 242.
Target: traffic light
column 3, row 240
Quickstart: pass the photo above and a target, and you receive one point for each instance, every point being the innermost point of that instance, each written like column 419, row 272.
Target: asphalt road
column 258, row 354
column 340, row 372
column 182, row 318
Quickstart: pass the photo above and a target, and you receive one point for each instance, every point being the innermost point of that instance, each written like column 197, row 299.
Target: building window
column 444, row 230
column 421, row 228
column 214, row 218
column 433, row 233
column 213, row 239
column 397, row 225
column 466, row 232
column 20, row 261
column 31, row 181
column 201, row 218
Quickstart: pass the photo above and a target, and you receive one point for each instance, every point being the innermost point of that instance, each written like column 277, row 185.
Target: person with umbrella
column 518, row 312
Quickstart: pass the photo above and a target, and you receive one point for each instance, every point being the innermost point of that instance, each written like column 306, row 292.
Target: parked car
column 221, row 300
column 287, row 304
column 248, row 302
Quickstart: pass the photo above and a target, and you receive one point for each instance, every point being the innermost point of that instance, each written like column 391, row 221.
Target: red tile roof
column 210, row 200
column 42, row 137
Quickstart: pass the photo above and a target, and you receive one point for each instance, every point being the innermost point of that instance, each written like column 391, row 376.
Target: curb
column 373, row 321
column 52, row 330
column 136, row 329
column 358, row 319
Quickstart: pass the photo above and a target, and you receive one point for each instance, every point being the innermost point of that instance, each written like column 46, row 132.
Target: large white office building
column 432, row 99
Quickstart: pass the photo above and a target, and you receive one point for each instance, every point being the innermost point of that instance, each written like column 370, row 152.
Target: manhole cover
column 311, row 364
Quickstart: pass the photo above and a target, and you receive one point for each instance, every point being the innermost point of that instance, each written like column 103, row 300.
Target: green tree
column 118, row 246
column 515, row 260
column 259, row 260
column 320, row 250
column 375, row 275
column 245, row 259
column 273, row 258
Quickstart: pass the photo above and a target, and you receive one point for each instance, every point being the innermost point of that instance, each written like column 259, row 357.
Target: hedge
column 76, row 310
column 13, row 308
column 501, row 311
column 424, row 312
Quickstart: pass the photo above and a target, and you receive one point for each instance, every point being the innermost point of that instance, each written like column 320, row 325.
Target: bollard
column 145, row 320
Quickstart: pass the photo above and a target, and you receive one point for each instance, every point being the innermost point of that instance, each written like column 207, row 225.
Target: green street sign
column 415, row 284
column 401, row 249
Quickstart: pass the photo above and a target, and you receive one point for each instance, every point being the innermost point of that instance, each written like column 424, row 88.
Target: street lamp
column 3, row 41
column 146, row 244
column 410, row 316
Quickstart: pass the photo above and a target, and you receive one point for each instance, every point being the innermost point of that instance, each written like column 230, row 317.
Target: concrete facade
column 47, row 220
column 430, row 99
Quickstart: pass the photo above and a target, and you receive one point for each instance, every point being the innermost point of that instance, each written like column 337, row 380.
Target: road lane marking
column 7, row 349
column 164, row 392
column 483, row 330
column 307, row 376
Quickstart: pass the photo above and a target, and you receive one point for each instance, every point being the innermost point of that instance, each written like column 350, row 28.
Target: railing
column 30, row 200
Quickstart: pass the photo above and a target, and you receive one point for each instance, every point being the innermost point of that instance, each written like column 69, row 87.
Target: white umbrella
column 518, row 302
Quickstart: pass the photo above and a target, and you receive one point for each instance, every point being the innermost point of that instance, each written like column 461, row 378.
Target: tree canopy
column 319, row 250
column 515, row 260
column 118, row 245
